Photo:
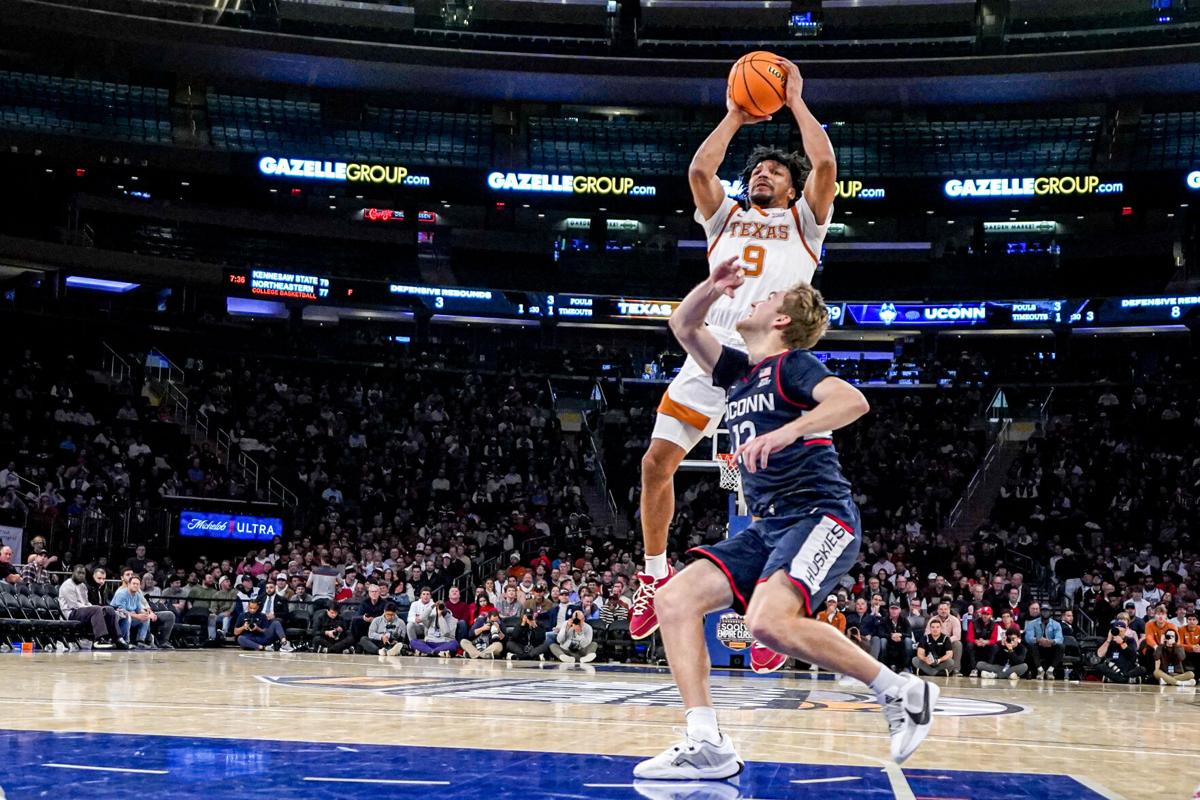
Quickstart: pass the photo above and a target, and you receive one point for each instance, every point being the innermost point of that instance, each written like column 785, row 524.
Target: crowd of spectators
column 441, row 510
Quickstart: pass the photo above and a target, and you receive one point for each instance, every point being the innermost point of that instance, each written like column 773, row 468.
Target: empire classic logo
column 748, row 695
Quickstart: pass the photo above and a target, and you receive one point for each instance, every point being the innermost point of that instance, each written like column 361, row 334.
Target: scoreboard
column 499, row 304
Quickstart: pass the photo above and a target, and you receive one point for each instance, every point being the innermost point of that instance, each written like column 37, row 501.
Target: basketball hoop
column 730, row 478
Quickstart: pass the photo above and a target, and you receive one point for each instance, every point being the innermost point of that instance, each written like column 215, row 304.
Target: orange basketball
column 757, row 83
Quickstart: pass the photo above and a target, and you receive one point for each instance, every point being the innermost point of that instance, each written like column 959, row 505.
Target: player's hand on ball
column 795, row 83
column 756, row 453
column 728, row 276
column 743, row 117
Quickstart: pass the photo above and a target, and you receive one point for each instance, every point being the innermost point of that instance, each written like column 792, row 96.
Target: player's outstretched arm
column 838, row 405
column 707, row 191
column 687, row 323
column 821, row 186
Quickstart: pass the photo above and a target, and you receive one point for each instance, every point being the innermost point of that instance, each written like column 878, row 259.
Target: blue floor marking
column 250, row 768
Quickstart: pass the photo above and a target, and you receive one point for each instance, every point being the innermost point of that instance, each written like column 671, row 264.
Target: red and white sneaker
column 763, row 659
column 643, row 621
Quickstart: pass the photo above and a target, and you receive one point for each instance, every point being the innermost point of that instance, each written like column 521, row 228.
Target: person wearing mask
column 385, row 636
column 1118, row 655
column 934, row 653
column 1044, row 641
column 1169, row 665
column 1009, row 658
column 74, row 603
column 330, row 634
column 527, row 641
column 575, row 643
column 488, row 637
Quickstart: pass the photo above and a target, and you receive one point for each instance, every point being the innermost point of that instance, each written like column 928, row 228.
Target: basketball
column 757, row 83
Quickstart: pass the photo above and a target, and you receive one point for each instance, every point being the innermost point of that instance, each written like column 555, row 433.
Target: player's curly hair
column 797, row 164
column 809, row 316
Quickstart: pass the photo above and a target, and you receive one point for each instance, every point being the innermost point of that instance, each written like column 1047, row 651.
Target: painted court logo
column 751, row 694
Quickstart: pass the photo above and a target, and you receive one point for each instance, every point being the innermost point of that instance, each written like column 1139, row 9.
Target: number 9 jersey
column 777, row 247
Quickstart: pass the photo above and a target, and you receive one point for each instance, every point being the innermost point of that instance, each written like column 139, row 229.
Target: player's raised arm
column 821, row 186
column 707, row 191
column 687, row 323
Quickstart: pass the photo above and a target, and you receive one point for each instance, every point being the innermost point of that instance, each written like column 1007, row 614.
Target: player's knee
column 656, row 467
column 758, row 623
column 670, row 600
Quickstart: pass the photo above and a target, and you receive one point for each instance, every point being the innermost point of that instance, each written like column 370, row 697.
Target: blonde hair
column 805, row 306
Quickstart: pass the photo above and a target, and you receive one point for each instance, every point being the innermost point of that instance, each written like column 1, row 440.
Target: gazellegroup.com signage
column 1031, row 187
column 340, row 171
column 568, row 184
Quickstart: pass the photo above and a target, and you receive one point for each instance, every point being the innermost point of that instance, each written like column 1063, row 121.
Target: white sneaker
column 1014, row 677
column 287, row 647
column 566, row 657
column 395, row 649
column 1042, row 673
column 510, row 656
column 1050, row 674
column 692, row 760
column 974, row 673
column 587, row 659
column 909, row 712
column 985, row 673
column 1188, row 682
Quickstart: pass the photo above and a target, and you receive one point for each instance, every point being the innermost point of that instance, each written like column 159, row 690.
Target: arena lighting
column 1193, row 180
column 100, row 285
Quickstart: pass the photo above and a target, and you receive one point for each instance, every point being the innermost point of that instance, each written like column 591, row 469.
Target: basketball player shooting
column 776, row 236
column 782, row 407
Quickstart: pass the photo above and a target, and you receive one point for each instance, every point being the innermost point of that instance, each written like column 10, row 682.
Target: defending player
column 777, row 236
column 782, row 412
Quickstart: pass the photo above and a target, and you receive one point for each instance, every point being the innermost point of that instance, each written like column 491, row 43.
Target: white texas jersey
column 779, row 247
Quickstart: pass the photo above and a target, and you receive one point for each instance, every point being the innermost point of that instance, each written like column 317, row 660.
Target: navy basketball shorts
column 815, row 545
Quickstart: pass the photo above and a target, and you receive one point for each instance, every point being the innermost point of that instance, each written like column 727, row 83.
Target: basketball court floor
column 248, row 725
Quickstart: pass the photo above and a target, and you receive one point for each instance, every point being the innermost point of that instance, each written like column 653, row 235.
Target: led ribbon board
column 229, row 526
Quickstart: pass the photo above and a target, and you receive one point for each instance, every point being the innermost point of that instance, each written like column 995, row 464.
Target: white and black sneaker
column 692, row 760
column 909, row 712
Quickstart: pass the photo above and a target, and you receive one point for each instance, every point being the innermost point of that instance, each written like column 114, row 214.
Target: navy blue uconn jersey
column 768, row 396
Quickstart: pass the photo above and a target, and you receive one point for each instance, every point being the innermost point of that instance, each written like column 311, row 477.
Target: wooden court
column 991, row 739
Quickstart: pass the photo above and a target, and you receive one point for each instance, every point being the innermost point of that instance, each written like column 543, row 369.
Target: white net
column 730, row 478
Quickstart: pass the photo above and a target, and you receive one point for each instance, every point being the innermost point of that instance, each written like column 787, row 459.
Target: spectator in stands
column 1012, row 605
column 128, row 602
column 370, row 608
column 1044, row 641
column 527, row 641
column 917, row 620
column 8, row 570
column 322, row 580
column 1189, row 640
column 330, row 634
column 439, row 627
column 952, row 627
column 509, row 604
column 1118, row 655
column 221, row 608
column 1169, row 662
column 385, row 636
column 575, row 641
column 1009, row 659
column 255, row 632
column 832, row 615
column 34, row 572
column 74, row 603
column 460, row 611
column 616, row 606
column 894, row 632
column 274, row 605
column 418, row 612
column 137, row 561
column 934, row 654
column 487, row 637
column 983, row 636
column 560, row 611
column 162, row 623
column 1158, row 627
